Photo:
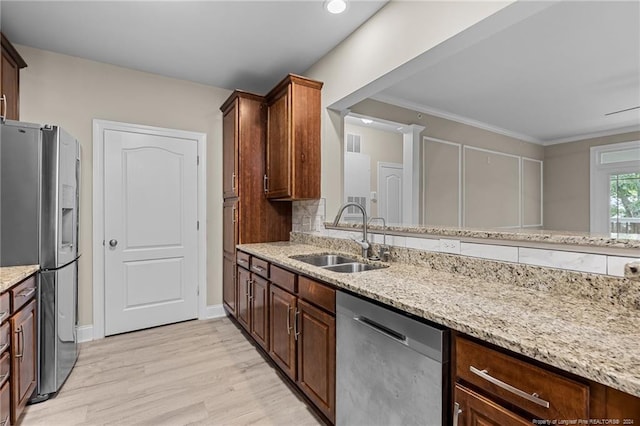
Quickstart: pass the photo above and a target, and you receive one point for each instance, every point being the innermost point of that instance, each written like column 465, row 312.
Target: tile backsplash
column 308, row 215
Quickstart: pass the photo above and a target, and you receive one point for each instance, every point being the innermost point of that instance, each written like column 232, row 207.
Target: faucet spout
column 365, row 242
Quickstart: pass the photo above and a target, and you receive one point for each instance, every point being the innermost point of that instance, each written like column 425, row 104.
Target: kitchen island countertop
column 588, row 338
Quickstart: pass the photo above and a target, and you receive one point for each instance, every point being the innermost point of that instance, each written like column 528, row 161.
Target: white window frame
column 600, row 176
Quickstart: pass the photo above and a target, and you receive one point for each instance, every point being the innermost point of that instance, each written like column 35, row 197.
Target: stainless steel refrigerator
column 39, row 200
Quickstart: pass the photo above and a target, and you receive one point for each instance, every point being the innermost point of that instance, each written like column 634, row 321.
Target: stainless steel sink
column 353, row 267
column 323, row 260
column 337, row 263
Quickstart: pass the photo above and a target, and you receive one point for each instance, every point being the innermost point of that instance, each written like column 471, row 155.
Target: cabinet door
column 230, row 151
column 229, row 284
column 476, row 410
column 229, row 227
column 243, row 314
column 259, row 310
column 5, row 404
column 282, row 343
column 317, row 356
column 10, row 73
column 279, row 147
column 23, row 359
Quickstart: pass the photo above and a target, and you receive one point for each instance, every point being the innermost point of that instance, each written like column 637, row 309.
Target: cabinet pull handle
column 295, row 324
column 233, row 181
column 3, row 117
column 529, row 397
column 20, row 334
column 27, row 292
column 3, row 347
column 250, row 288
column 456, row 413
column 265, row 184
column 233, row 214
column 288, row 319
column 242, row 262
column 258, row 268
column 3, row 315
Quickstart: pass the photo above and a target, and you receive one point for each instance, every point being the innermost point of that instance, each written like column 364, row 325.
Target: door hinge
column 198, row 225
column 197, row 291
column 197, row 160
column 103, row 242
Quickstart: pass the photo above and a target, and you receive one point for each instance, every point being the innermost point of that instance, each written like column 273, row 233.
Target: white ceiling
column 549, row 78
column 249, row 45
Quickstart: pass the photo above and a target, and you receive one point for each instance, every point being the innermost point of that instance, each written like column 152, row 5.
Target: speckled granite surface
column 589, row 338
column 534, row 235
column 11, row 275
column 606, row 289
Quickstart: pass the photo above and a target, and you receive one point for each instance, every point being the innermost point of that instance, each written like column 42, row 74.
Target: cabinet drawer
column 242, row 259
column 5, row 365
column 317, row 293
column 475, row 409
column 5, row 337
column 5, row 306
column 5, row 404
column 23, row 292
column 260, row 267
column 283, row 279
column 504, row 376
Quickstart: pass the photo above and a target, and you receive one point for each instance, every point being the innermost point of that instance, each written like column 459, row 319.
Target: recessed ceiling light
column 366, row 121
column 335, row 6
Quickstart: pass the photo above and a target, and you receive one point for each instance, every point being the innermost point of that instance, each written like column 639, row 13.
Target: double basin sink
column 337, row 263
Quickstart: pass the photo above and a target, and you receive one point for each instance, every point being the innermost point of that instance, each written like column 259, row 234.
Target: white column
column 411, row 174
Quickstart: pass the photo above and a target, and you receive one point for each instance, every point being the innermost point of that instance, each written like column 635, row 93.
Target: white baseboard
column 85, row 333
column 215, row 311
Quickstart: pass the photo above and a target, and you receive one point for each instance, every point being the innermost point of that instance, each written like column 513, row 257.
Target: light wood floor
column 197, row 372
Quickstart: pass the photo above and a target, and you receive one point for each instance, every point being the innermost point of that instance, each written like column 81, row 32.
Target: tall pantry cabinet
column 248, row 217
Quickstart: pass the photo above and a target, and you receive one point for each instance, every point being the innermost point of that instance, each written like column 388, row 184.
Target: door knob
column 113, row 243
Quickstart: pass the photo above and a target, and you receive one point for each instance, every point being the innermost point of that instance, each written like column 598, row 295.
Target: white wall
column 71, row 92
column 398, row 33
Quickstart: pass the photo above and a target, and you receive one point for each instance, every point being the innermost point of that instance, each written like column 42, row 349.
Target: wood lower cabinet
column 10, row 64
column 243, row 313
column 293, row 139
column 296, row 325
column 229, row 284
column 24, row 333
column 282, row 342
column 476, row 410
column 259, row 310
column 5, row 404
column 316, row 331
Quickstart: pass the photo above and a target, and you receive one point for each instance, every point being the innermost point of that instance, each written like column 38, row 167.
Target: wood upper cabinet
column 293, row 139
column 282, row 342
column 23, row 360
column 11, row 63
column 317, row 356
column 230, row 150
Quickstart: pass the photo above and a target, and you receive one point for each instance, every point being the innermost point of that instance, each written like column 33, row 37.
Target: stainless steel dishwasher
column 391, row 368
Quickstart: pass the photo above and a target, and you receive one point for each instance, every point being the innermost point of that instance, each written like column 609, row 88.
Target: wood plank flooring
column 196, row 372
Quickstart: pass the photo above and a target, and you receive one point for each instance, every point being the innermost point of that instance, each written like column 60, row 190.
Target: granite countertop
column 584, row 337
column 11, row 275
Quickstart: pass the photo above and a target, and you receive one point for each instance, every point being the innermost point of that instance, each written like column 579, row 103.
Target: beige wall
column 398, row 33
column 379, row 145
column 71, row 92
column 566, row 182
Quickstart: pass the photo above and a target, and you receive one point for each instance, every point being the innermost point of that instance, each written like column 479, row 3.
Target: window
column 624, row 209
column 615, row 180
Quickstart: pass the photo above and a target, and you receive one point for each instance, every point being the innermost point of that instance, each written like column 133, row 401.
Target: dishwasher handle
column 394, row 335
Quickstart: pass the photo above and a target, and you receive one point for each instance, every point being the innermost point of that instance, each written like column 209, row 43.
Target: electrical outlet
column 450, row 246
column 632, row 271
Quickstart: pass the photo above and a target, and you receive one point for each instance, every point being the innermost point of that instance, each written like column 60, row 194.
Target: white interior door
column 390, row 192
column 357, row 183
column 150, row 219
